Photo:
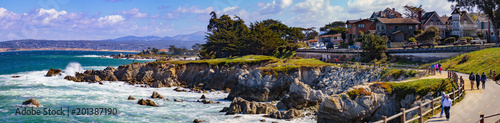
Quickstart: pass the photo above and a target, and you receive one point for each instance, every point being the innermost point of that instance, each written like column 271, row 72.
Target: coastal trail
column 475, row 103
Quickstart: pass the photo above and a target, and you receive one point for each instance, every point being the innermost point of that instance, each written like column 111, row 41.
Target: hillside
column 478, row 61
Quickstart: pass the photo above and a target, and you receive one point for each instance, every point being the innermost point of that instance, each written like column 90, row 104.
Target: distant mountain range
column 123, row 43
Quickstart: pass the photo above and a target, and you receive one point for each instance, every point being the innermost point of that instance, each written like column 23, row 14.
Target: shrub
column 386, row 86
column 412, row 39
column 464, row 59
column 358, row 92
column 450, row 40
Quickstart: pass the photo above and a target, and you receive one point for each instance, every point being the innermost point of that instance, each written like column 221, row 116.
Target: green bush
column 412, row 39
column 422, row 87
column 466, row 38
column 450, row 40
column 358, row 92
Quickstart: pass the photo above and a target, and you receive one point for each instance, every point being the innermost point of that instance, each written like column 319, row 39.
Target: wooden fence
column 415, row 66
column 455, row 94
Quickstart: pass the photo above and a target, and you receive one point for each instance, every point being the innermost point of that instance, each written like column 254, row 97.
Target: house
column 387, row 13
column 354, row 27
column 482, row 27
column 396, row 29
column 311, row 41
column 432, row 19
column 331, row 39
column 163, row 50
column 461, row 24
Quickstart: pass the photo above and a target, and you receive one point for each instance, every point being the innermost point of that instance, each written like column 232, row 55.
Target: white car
column 477, row 41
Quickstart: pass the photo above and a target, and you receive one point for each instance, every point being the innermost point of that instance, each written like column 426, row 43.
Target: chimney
column 393, row 9
column 420, row 19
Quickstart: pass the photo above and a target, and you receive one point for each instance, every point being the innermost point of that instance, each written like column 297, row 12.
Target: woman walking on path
column 483, row 79
column 472, row 78
column 478, row 80
column 440, row 69
column 443, row 97
column 447, row 106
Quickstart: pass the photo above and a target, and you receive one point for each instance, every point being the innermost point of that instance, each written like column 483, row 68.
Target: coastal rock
column 32, row 101
column 254, row 85
column 207, row 101
column 146, row 102
column 290, row 114
column 156, row 95
column 131, row 98
column 72, row 78
column 198, row 121
column 108, row 74
column 300, row 96
column 16, row 76
column 53, row 72
column 240, row 105
column 225, row 109
column 92, row 78
column 203, row 96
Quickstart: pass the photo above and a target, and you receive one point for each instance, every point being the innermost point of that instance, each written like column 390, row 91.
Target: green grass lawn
column 249, row 59
column 477, row 61
column 420, row 87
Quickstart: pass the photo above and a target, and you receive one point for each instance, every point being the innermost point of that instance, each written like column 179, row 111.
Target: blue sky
column 107, row 19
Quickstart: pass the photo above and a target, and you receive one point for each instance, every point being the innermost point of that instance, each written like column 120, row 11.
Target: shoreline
column 60, row 49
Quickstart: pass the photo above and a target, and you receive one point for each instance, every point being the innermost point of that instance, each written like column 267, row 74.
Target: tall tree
column 373, row 47
column 489, row 7
column 412, row 11
column 333, row 28
column 310, row 33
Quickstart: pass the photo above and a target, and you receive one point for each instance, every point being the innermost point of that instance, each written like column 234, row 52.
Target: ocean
column 56, row 93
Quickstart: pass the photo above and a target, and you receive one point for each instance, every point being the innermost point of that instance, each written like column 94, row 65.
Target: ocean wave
column 94, row 56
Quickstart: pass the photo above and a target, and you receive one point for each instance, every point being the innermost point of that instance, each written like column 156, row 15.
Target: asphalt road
column 476, row 102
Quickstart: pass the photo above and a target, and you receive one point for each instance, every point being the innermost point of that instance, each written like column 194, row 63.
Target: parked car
column 428, row 44
column 410, row 44
column 460, row 41
column 354, row 47
column 477, row 41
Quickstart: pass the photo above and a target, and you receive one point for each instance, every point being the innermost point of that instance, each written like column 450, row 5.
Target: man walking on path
column 472, row 78
column 478, row 80
column 443, row 97
column 462, row 82
column 446, row 106
column 433, row 69
column 483, row 79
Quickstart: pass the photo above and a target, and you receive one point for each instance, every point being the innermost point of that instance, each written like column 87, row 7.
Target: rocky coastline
column 321, row 90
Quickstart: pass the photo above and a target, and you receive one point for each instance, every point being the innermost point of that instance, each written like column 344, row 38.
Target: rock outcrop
column 290, row 114
column 131, row 98
column 32, row 101
column 240, row 105
column 53, row 72
column 156, row 95
column 300, row 96
column 147, row 102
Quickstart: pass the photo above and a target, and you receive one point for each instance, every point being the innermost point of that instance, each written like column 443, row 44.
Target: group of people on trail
column 478, row 78
column 436, row 67
column 446, row 104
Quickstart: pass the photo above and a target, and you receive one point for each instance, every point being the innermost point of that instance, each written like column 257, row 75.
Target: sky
column 109, row 19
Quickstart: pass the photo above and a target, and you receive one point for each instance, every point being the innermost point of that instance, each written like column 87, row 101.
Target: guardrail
column 455, row 94
column 416, row 66
column 416, row 50
column 483, row 117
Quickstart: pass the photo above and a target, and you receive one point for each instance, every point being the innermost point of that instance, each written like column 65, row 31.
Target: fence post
column 453, row 95
column 384, row 118
column 432, row 106
column 482, row 118
column 403, row 116
column 421, row 118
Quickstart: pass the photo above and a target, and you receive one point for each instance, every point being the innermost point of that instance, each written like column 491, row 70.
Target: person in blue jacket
column 478, row 80
column 483, row 79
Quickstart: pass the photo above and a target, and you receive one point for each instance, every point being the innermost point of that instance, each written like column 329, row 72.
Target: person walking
column 472, row 78
column 443, row 97
column 433, row 68
column 462, row 82
column 446, row 106
column 478, row 80
column 483, row 79
column 440, row 69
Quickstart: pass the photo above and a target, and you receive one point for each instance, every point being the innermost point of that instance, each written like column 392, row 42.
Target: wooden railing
column 455, row 94
column 415, row 66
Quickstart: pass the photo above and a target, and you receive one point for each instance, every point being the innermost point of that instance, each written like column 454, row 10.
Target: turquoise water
column 55, row 92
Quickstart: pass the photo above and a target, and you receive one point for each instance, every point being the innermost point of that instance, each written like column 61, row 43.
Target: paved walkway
column 476, row 102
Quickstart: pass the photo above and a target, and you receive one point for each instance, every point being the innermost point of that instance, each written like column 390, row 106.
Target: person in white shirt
column 446, row 105
column 443, row 97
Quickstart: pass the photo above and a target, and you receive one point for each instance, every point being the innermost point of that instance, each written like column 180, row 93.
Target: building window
column 410, row 27
column 349, row 26
column 432, row 23
column 396, row 27
column 361, row 25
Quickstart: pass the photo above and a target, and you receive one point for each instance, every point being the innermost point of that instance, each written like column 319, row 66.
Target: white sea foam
column 73, row 67
column 94, row 56
column 55, row 92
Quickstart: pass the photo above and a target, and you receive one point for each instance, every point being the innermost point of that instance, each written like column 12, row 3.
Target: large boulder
column 53, row 72
column 240, row 105
column 146, row 102
column 300, row 96
column 156, row 95
column 290, row 114
column 131, row 98
column 258, row 86
column 32, row 101
column 108, row 74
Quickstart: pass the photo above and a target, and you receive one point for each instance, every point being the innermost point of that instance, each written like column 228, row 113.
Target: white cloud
column 274, row 7
column 442, row 7
column 194, row 10
column 133, row 13
column 315, row 13
column 110, row 20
